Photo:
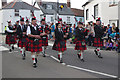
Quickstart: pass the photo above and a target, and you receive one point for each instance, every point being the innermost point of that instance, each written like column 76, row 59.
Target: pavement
column 49, row 67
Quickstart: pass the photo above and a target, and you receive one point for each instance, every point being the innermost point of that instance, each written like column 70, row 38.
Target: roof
column 19, row 5
column 65, row 11
column 78, row 12
column 87, row 3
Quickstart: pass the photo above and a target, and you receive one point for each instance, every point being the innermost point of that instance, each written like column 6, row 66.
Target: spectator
column 113, row 27
column 109, row 30
column 52, row 27
column 109, row 45
column 90, row 34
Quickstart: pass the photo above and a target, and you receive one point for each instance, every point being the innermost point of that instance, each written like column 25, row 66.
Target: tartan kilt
column 9, row 41
column 60, row 46
column 98, row 42
column 74, row 42
column 80, row 46
column 22, row 44
column 32, row 47
column 45, row 42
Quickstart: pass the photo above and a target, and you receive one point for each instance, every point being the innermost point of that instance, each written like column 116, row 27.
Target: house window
column 113, row 3
column 68, row 20
column 16, row 12
column 52, row 19
column 96, row 11
column 87, row 14
column 49, row 6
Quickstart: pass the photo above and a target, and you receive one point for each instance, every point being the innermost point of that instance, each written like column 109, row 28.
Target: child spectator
column 109, row 45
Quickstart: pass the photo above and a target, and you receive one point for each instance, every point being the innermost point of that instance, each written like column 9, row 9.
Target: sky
column 74, row 3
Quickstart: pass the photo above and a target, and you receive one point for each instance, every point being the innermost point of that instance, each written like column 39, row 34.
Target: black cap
column 17, row 21
column 60, row 19
column 27, row 20
column 34, row 18
column 98, row 19
column 80, row 23
column 43, row 19
column 9, row 21
column 22, row 19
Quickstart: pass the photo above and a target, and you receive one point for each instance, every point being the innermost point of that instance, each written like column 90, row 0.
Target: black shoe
column 58, row 57
column 34, row 65
column 10, row 50
column 78, row 56
column 82, row 60
column 96, row 52
column 100, row 56
column 36, row 60
column 12, row 47
column 61, row 61
column 24, row 55
column 23, row 58
column 44, row 55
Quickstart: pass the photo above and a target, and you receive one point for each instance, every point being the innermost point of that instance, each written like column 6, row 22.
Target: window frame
column 16, row 12
column 96, row 13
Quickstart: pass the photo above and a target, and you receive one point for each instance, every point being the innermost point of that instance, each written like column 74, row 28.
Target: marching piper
column 45, row 31
column 98, row 42
column 60, row 42
column 10, row 37
column 80, row 34
column 34, row 44
column 21, row 33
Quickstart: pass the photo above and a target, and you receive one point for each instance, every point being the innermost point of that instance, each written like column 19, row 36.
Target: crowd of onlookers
column 111, row 38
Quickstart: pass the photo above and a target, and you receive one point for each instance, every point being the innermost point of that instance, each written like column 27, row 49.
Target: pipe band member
column 34, row 44
column 10, row 37
column 22, row 38
column 98, row 42
column 44, row 35
column 80, row 34
column 60, row 42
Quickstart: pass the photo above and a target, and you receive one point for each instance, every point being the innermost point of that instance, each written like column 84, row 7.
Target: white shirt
column 80, row 28
column 8, row 30
column 22, row 26
column 28, row 29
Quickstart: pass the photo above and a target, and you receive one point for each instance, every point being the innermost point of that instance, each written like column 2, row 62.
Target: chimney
column 4, row 2
column 68, row 3
column 39, row 2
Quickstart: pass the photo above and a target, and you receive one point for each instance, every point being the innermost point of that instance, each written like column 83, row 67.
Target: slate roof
column 19, row 5
column 65, row 11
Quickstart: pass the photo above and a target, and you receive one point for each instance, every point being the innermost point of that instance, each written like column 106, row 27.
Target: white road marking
column 55, row 58
column 83, row 69
column 2, row 48
column 91, row 71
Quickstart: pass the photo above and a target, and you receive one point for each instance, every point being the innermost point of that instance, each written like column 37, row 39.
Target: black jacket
column 59, row 36
column 20, row 31
column 80, row 34
column 99, row 31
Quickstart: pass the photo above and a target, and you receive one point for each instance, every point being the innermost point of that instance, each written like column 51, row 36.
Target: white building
column 106, row 9
column 13, row 10
column 50, row 10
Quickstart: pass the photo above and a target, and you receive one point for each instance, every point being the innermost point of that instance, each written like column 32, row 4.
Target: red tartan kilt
column 34, row 48
column 58, row 47
column 22, row 44
column 79, row 45
column 8, row 41
column 74, row 42
column 45, row 42
column 98, row 42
